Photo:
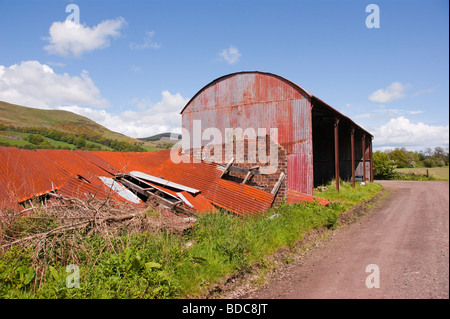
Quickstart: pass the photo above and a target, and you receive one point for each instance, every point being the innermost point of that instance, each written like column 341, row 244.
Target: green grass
column 159, row 266
column 23, row 141
column 347, row 196
column 150, row 148
column 439, row 173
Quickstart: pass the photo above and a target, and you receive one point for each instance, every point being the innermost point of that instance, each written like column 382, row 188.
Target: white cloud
column 426, row 91
column 401, row 132
column 57, row 64
column 230, row 55
column 36, row 85
column 393, row 92
column 148, row 42
column 33, row 84
column 151, row 119
column 385, row 113
column 69, row 38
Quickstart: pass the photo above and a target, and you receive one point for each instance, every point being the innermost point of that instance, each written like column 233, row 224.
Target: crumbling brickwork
column 271, row 158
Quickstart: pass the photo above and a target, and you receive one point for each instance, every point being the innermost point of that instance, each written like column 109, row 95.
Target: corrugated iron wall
column 259, row 100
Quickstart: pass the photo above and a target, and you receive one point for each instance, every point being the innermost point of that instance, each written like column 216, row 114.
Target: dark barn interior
column 325, row 124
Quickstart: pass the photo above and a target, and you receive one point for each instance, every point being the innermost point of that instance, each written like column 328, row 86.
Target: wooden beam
column 160, row 181
column 147, row 192
column 241, row 170
column 336, row 152
column 247, row 177
column 250, row 172
column 138, row 189
column 352, row 136
column 277, row 185
column 371, row 160
column 364, row 156
column 171, row 205
column 227, row 167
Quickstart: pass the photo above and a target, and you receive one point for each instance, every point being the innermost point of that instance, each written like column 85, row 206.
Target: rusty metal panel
column 259, row 100
column 25, row 174
column 199, row 202
column 297, row 197
column 238, row 198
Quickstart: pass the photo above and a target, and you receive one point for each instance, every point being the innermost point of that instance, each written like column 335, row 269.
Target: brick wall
column 261, row 151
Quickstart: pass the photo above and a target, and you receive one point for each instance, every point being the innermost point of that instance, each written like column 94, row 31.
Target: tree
column 399, row 158
column 80, row 142
column 35, row 139
column 383, row 166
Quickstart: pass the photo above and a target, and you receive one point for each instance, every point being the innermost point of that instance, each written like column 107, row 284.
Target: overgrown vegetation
column 133, row 258
column 388, row 164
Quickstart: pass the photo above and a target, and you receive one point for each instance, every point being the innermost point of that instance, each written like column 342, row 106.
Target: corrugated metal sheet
column 296, row 197
column 76, row 174
column 240, row 197
column 26, row 173
column 260, row 100
column 199, row 202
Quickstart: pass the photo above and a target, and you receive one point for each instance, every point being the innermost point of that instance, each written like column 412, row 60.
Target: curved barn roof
column 314, row 100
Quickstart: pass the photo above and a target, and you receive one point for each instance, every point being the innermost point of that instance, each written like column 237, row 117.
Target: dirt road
column 407, row 238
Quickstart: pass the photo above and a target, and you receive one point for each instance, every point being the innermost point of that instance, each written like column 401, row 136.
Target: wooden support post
column 247, row 177
column 336, row 152
column 353, row 155
column 134, row 187
column 277, row 185
column 227, row 167
column 251, row 171
column 364, row 156
column 371, row 161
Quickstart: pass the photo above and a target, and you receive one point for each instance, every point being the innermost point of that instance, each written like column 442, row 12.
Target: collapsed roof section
column 127, row 178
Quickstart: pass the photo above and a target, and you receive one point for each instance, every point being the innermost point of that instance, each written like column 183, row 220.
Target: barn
column 321, row 144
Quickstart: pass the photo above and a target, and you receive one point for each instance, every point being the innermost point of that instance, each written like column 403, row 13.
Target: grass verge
column 171, row 265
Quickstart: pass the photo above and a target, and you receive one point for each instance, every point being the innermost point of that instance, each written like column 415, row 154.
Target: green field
column 438, row 172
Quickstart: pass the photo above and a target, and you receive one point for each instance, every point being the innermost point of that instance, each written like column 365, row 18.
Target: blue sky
column 132, row 65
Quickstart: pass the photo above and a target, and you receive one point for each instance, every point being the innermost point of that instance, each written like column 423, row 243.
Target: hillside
column 60, row 129
column 21, row 116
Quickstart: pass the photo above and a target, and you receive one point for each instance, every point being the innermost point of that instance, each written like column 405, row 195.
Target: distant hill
column 60, row 129
column 21, row 116
column 161, row 137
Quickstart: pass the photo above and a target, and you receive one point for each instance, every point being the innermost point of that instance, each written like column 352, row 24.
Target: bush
column 35, row 139
column 383, row 167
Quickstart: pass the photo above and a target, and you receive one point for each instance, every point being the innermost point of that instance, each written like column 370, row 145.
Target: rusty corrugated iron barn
column 321, row 143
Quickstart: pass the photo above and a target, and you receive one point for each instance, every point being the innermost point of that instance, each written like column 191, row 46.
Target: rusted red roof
column 26, row 174
column 199, row 202
column 296, row 197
